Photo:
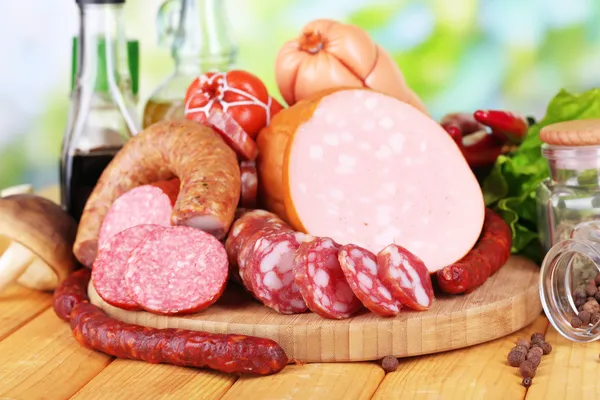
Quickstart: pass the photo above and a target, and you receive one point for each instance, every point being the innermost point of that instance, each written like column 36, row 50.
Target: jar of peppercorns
column 569, row 224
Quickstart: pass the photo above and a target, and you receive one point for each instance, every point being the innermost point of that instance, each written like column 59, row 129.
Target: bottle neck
column 203, row 40
column 573, row 166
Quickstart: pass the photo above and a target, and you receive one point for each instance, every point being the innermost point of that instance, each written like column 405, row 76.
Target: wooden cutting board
column 507, row 302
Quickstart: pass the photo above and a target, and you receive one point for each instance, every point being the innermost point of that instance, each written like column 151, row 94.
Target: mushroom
column 40, row 235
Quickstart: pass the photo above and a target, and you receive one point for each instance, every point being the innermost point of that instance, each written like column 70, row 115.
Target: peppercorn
column 579, row 302
column 591, row 306
column 516, row 357
column 591, row 298
column 537, row 337
column 523, row 342
column 389, row 363
column 591, row 289
column 595, row 318
column 585, row 317
column 526, row 382
column 580, row 294
column 527, row 369
column 576, row 322
column 546, row 348
column 537, row 349
column 597, row 279
column 521, row 348
column 534, row 357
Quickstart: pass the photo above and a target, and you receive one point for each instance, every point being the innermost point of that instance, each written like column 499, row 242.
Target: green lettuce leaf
column 510, row 188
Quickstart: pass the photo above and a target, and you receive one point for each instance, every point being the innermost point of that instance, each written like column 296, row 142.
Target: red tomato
column 238, row 93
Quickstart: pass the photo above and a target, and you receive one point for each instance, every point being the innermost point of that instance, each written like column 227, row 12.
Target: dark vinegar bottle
column 102, row 116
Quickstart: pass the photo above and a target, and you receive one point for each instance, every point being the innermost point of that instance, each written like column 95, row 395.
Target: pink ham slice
column 371, row 170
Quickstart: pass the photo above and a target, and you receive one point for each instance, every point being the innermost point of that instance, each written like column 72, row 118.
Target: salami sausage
column 226, row 353
column 249, row 184
column 148, row 204
column 94, row 329
column 71, row 292
column 108, row 272
column 207, row 168
column 489, row 254
column 360, row 268
column 321, row 281
column 177, row 270
column 406, row 276
column 350, row 165
column 270, row 270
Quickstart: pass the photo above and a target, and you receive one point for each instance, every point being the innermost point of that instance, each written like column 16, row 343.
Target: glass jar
column 568, row 266
column 200, row 37
column 571, row 194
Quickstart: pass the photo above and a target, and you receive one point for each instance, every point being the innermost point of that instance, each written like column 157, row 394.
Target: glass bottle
column 102, row 116
column 200, row 37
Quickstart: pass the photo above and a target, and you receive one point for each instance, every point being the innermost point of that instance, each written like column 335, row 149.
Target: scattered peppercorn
column 546, row 348
column 516, row 357
column 527, row 369
column 585, row 317
column 537, row 349
column 576, row 322
column 526, row 382
column 537, row 337
column 523, row 342
column 389, row 363
column 534, row 357
column 521, row 348
column 591, row 306
column 595, row 318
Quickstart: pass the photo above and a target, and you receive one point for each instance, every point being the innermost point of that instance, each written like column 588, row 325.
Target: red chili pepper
column 480, row 149
column 506, row 126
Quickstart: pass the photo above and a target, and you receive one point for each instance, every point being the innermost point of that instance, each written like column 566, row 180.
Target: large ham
column 364, row 168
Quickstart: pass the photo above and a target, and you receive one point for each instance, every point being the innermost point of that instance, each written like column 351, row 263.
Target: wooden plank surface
column 140, row 380
column 508, row 301
column 479, row 372
column 344, row 381
column 41, row 360
column 19, row 305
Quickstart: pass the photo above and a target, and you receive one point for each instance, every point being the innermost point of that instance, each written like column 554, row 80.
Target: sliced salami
column 360, row 268
column 249, row 176
column 270, row 271
column 244, row 227
column 233, row 134
column 321, row 281
column 406, row 276
column 148, row 204
column 177, row 270
column 108, row 271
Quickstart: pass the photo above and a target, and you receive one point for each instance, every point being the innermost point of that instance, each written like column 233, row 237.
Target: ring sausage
column 226, row 353
column 207, row 168
column 489, row 254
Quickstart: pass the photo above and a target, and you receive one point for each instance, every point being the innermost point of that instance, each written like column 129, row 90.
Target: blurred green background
column 459, row 55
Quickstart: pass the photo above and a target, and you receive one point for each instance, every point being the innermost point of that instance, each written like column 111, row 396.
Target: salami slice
column 248, row 224
column 270, row 271
column 108, row 271
column 249, row 184
column 177, row 270
column 321, row 281
column 406, row 276
column 233, row 134
column 148, row 204
column 360, row 268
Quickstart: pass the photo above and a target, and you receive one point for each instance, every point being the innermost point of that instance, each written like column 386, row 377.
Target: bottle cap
column 100, row 1
column 133, row 53
column 584, row 132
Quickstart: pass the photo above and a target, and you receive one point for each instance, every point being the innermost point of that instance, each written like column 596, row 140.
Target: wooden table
column 39, row 359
